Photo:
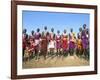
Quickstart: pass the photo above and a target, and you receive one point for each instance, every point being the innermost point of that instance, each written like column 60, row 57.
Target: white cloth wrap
column 37, row 42
column 51, row 44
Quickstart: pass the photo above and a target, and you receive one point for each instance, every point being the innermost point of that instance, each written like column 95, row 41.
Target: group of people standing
column 48, row 43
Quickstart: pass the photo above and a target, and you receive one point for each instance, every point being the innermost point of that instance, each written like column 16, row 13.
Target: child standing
column 44, row 42
column 51, row 45
column 32, row 47
column 37, row 43
column 25, row 41
column 84, row 40
column 58, row 42
column 72, row 42
column 79, row 51
column 79, row 46
column 26, row 55
column 65, row 43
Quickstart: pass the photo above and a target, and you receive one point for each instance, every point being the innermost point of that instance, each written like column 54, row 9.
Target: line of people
column 49, row 43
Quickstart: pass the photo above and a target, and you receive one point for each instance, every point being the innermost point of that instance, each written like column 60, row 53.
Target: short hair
column 52, row 29
column 71, row 30
column 24, row 30
column 32, row 32
column 58, row 31
column 65, row 30
column 45, row 27
column 80, row 29
column 38, row 30
column 84, row 25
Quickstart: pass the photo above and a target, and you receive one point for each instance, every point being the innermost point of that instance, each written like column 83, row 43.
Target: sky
column 31, row 20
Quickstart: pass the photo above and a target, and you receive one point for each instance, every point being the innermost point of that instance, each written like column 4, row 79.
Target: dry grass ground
column 56, row 62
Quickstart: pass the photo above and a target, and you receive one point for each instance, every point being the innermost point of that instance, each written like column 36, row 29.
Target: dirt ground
column 55, row 61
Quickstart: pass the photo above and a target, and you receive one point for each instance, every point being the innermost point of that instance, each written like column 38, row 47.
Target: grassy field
column 55, row 61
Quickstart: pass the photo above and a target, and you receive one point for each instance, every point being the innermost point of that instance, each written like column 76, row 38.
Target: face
column 80, row 29
column 45, row 28
column 52, row 30
column 26, row 36
column 71, row 30
column 38, row 30
column 64, row 31
column 87, row 31
column 58, row 32
column 84, row 26
column 32, row 32
column 24, row 31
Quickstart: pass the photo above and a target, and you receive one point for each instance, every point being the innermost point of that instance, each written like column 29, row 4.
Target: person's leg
column 80, row 52
column 23, row 55
column 71, row 51
column 44, row 55
column 87, row 53
column 25, row 60
column 36, row 54
column 84, row 53
column 57, row 52
column 77, row 52
column 66, row 52
column 32, row 54
column 63, row 52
